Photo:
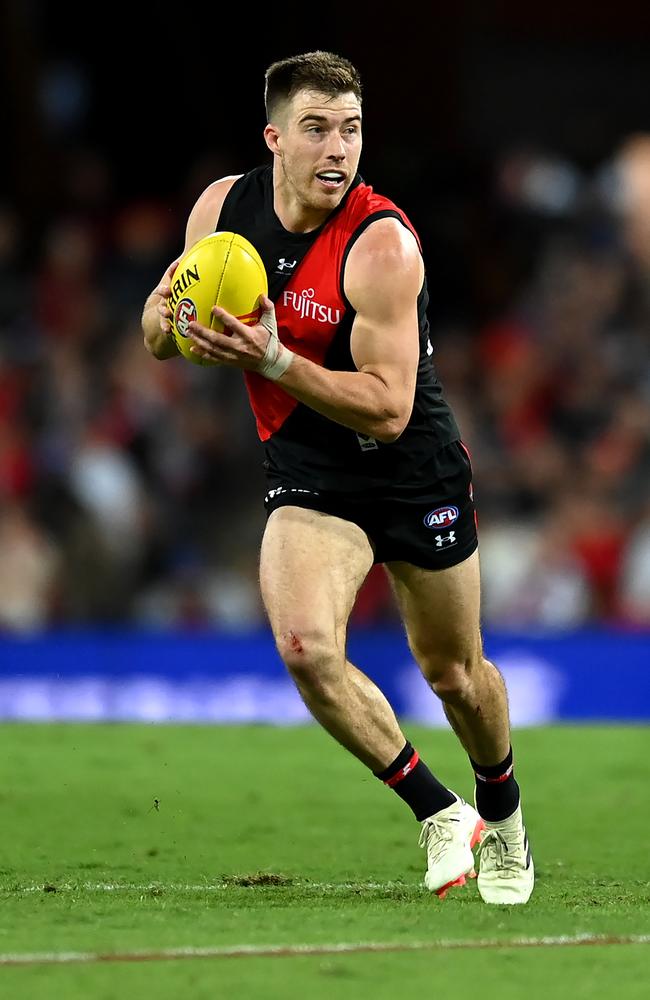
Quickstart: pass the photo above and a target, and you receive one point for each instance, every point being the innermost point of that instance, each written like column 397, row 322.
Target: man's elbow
column 392, row 427
column 389, row 433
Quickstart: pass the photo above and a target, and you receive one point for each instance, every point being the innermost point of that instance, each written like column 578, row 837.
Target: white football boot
column 506, row 871
column 449, row 836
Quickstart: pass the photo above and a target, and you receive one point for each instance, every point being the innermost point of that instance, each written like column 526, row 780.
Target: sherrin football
column 222, row 269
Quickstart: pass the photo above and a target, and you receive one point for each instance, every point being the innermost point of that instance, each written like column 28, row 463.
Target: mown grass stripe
column 292, row 951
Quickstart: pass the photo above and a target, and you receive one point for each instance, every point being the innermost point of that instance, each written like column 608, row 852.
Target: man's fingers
column 165, row 317
column 208, row 338
column 229, row 321
column 165, row 284
column 212, row 354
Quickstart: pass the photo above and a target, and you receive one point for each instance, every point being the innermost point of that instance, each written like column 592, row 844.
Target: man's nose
column 336, row 148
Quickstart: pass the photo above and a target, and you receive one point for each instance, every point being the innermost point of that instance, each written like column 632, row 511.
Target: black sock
column 412, row 780
column 497, row 792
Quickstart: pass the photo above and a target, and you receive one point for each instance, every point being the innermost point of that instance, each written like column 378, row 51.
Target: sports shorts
column 429, row 526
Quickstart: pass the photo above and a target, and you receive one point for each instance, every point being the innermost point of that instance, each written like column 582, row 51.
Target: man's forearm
column 157, row 342
column 358, row 400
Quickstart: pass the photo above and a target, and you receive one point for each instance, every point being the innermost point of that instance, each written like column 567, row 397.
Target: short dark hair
column 322, row 72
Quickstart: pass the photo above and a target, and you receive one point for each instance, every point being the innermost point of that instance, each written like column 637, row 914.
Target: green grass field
column 268, row 836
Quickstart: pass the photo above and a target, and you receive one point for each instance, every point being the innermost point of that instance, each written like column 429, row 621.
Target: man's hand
column 252, row 348
column 157, row 317
column 163, row 292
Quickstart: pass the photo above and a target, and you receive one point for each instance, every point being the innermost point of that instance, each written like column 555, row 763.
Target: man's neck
column 295, row 216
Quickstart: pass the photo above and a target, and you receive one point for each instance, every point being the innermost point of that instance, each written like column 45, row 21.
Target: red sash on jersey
column 311, row 306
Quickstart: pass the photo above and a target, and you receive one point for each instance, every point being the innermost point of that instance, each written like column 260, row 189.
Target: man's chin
column 325, row 199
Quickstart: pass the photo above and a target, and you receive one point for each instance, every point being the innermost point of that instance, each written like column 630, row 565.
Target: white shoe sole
column 469, row 872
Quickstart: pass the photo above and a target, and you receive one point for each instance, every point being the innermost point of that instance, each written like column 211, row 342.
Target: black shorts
column 433, row 527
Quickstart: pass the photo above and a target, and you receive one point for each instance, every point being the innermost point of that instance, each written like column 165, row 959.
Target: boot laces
column 435, row 835
column 495, row 854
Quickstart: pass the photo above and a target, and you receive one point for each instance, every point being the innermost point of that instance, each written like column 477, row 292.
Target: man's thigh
column 311, row 568
column 440, row 608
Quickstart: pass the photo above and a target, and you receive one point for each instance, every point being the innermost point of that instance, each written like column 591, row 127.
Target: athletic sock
column 413, row 781
column 497, row 792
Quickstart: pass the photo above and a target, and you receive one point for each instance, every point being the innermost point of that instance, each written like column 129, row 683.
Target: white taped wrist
column 277, row 357
column 274, row 369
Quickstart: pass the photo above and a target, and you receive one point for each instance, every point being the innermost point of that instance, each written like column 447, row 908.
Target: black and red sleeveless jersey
column 306, row 272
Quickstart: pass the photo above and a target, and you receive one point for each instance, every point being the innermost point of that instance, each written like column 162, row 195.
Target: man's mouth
column 331, row 178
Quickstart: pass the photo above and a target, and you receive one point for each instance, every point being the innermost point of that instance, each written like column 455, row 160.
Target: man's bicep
column 205, row 214
column 384, row 276
column 386, row 340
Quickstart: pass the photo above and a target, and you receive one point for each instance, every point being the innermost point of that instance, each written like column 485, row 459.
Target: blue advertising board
column 219, row 677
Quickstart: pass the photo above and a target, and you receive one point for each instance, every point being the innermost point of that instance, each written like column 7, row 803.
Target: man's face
column 319, row 144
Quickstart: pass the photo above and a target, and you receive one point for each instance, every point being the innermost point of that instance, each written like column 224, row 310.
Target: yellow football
column 222, row 269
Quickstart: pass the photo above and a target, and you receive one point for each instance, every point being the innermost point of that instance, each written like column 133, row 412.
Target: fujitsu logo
column 304, row 304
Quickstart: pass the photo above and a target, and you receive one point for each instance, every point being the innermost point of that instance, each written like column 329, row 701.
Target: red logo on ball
column 184, row 313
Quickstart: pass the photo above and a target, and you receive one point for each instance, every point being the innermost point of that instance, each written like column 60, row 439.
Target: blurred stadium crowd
column 131, row 490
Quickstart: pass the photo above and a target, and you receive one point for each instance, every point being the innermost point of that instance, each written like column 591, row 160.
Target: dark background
column 498, row 128
column 171, row 100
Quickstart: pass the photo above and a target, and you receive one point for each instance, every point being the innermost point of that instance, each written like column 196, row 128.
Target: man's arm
column 383, row 278
column 156, row 314
column 156, row 319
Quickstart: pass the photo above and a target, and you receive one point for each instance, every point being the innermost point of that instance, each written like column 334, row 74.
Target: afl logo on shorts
column 441, row 517
column 184, row 314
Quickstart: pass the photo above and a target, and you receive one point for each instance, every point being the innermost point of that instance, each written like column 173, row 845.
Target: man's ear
column 272, row 139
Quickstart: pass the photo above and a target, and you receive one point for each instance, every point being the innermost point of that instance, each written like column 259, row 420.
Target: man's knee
column 312, row 657
column 452, row 674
